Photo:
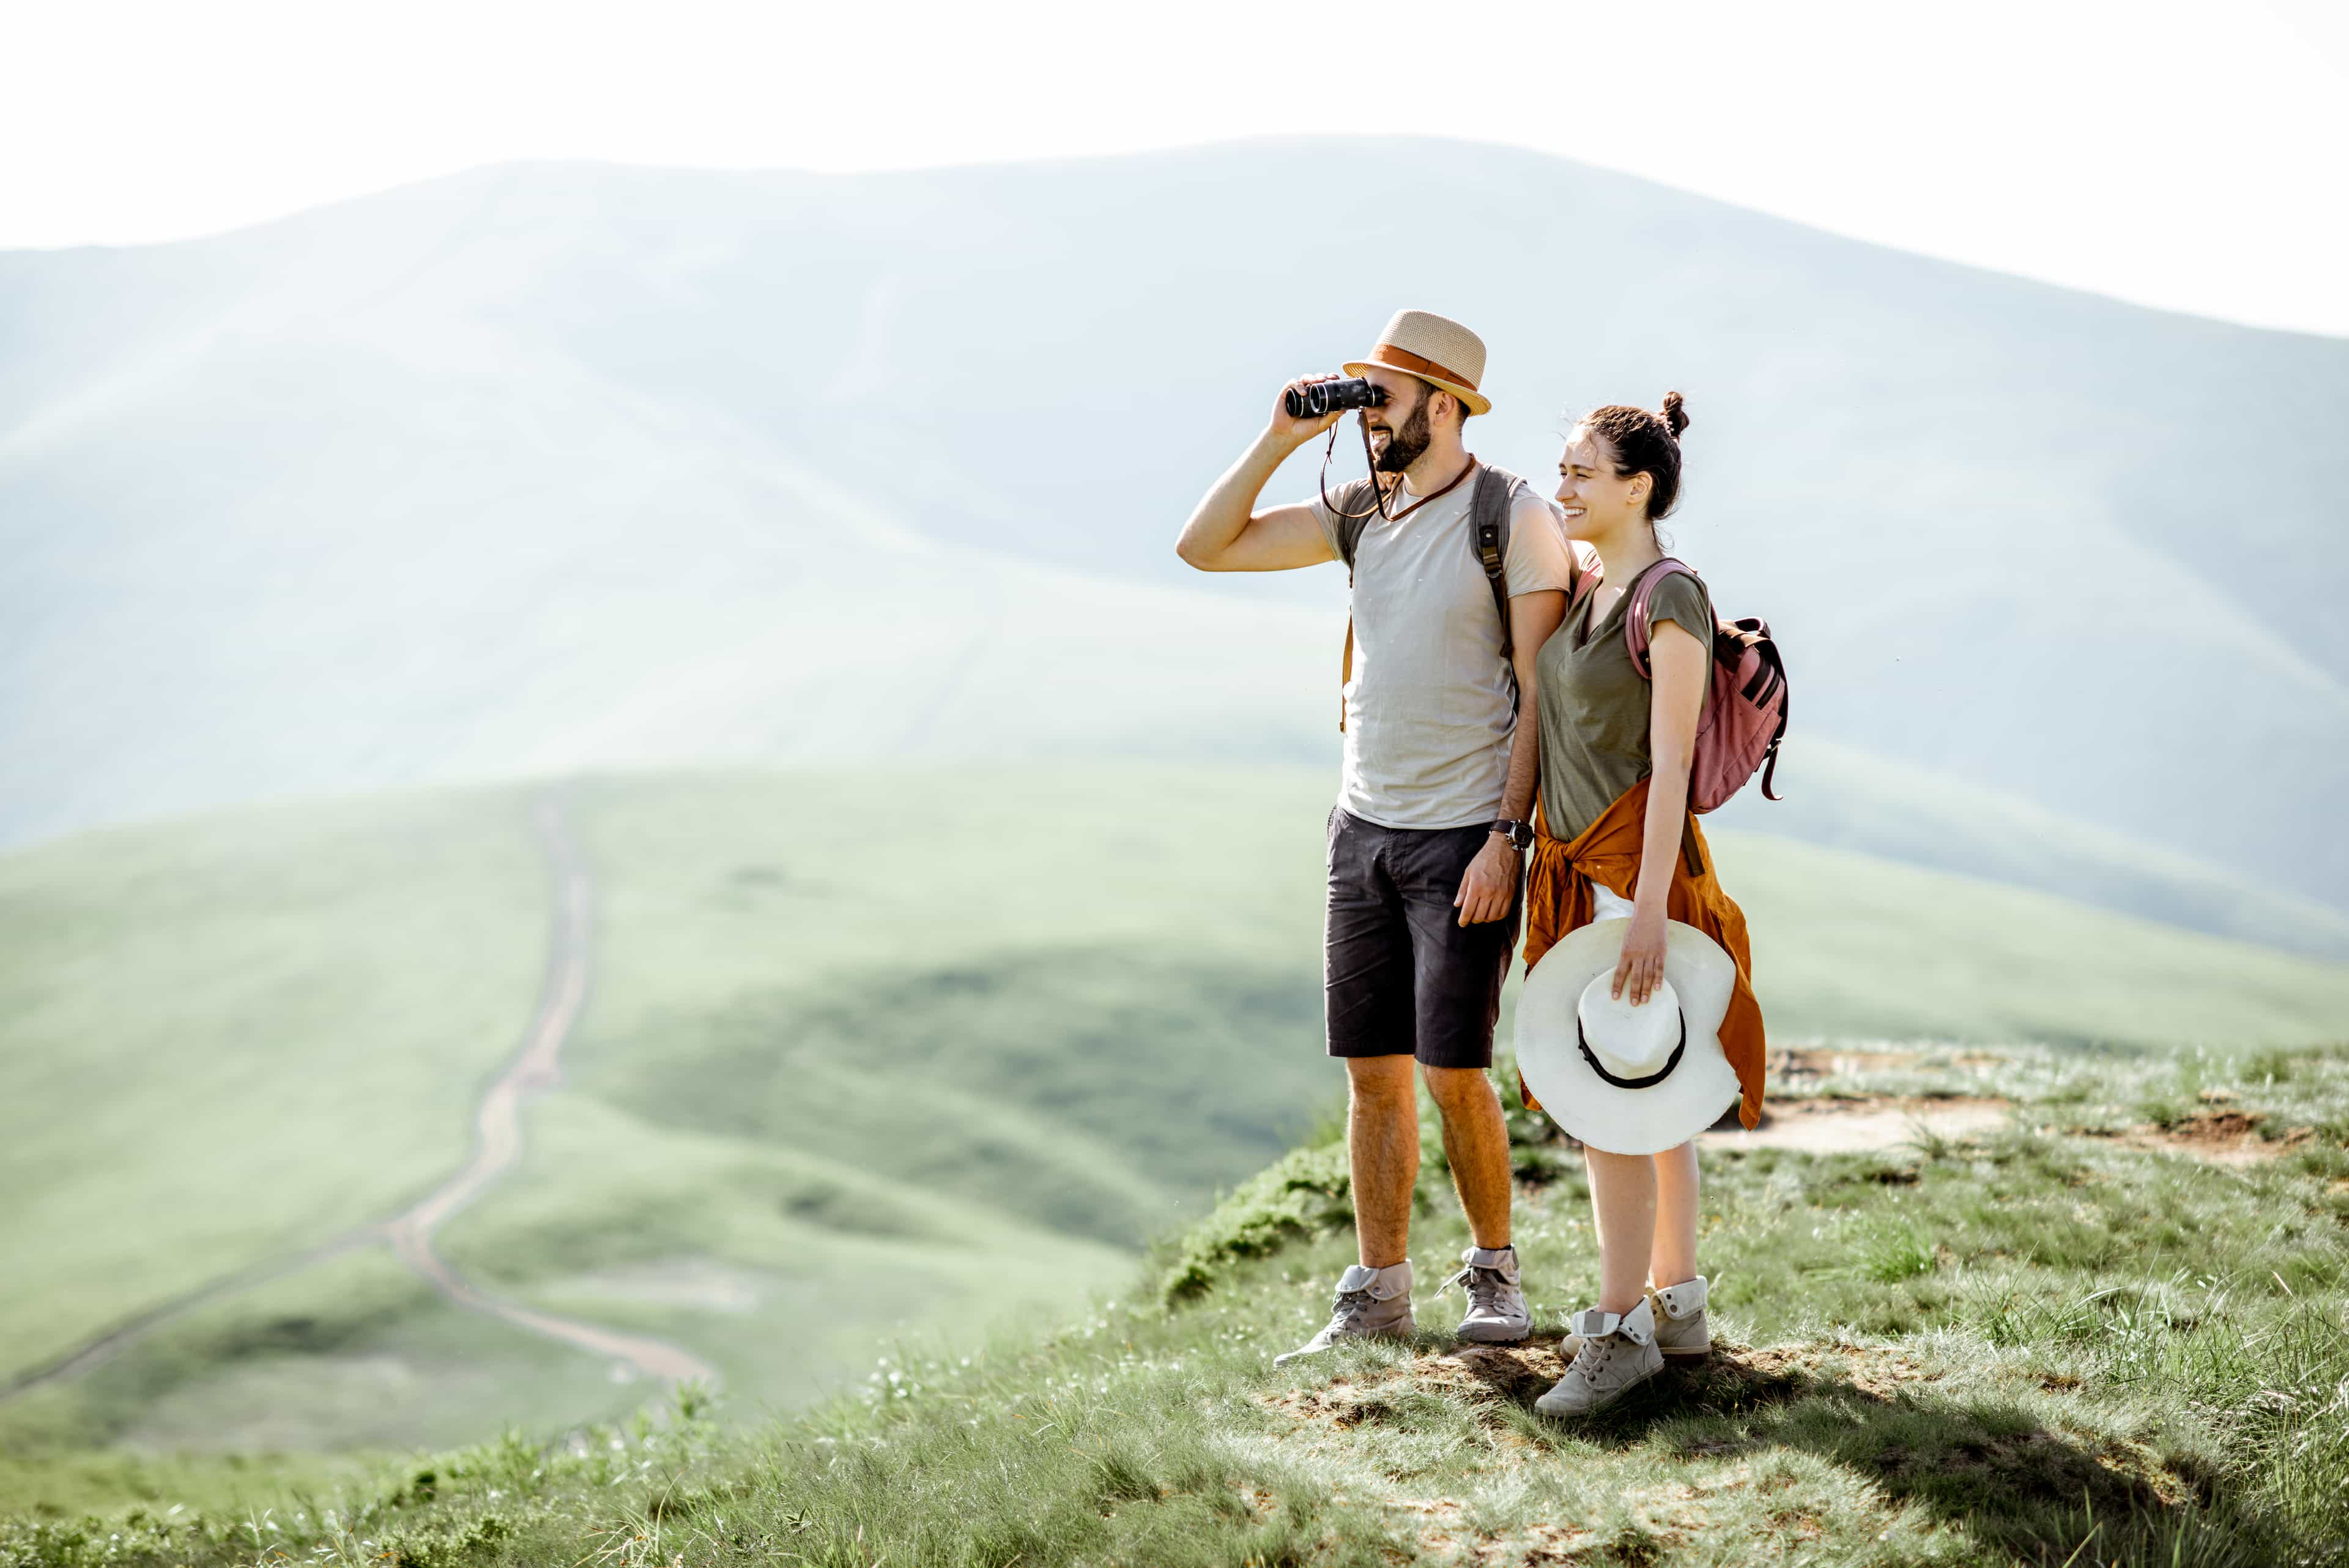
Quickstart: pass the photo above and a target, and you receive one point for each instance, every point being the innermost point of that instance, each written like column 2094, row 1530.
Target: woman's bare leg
column 1645, row 1207
column 1623, row 1206
column 1673, row 1259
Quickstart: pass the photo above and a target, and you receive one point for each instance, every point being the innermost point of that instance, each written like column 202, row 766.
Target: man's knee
column 1381, row 1080
column 1458, row 1088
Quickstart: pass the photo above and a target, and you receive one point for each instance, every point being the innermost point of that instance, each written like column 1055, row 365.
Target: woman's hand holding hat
column 1626, row 1078
column 1642, row 965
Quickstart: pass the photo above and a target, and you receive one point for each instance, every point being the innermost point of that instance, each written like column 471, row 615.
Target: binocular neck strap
column 1457, row 479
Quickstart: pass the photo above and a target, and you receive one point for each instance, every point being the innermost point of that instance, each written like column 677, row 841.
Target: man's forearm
column 1525, row 754
column 1230, row 502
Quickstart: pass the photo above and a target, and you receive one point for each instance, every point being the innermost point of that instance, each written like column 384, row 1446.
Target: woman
column 1615, row 840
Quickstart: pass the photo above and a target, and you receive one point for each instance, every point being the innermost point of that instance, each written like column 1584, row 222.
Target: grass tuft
column 1894, row 1254
column 1302, row 1196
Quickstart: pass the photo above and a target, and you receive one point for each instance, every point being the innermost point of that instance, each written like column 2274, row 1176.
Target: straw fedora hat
column 1626, row 1079
column 1433, row 349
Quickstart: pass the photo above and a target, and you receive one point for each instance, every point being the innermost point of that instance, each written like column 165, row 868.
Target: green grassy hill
column 230, row 1039
column 836, row 1078
column 2048, row 1344
column 830, row 1083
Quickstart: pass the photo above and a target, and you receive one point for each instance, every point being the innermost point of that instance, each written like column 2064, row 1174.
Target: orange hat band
column 1404, row 359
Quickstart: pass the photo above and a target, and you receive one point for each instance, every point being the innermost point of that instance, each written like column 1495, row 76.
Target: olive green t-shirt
column 1594, row 703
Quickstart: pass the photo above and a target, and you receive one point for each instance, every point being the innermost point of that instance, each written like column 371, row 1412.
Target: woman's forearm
column 1659, row 843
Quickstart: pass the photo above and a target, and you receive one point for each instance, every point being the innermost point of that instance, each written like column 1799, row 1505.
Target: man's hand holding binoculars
column 1292, row 419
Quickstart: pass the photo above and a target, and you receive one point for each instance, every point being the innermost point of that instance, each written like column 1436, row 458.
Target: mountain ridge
column 1293, row 141
column 659, row 420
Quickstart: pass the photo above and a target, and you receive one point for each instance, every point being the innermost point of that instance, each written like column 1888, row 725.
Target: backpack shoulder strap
column 1635, row 615
column 1488, row 519
column 1354, row 495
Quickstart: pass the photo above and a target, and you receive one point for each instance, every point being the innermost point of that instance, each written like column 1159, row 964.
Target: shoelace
column 1595, row 1353
column 1350, row 1306
column 1484, row 1287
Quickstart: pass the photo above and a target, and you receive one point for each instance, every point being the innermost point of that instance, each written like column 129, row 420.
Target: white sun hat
column 1433, row 349
column 1626, row 1079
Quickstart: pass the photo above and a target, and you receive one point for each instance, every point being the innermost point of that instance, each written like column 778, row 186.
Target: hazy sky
column 2183, row 155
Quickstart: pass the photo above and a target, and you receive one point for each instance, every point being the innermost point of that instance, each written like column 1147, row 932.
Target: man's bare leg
column 1373, row 1297
column 1382, row 1147
column 1476, row 1143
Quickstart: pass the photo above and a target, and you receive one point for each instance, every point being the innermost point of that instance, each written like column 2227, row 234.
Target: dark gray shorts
column 1400, row 975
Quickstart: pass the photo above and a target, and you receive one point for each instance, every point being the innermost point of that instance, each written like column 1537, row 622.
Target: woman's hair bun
column 1642, row 440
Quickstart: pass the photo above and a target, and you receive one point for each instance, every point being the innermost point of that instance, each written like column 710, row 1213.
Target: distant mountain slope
column 552, row 463
column 1842, row 797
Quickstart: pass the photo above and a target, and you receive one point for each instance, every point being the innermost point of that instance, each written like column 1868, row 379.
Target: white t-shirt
column 1428, row 715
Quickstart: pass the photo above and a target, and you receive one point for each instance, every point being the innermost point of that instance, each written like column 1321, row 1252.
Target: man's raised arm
column 1226, row 533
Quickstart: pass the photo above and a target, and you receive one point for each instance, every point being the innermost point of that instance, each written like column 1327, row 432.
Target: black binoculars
column 1315, row 399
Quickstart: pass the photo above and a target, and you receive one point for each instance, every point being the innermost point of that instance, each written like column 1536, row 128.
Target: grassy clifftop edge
column 2070, row 1338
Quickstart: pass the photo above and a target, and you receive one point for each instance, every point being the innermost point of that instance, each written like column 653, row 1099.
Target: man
column 1427, row 841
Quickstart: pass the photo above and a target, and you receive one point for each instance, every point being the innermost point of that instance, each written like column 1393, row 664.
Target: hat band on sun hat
column 1649, row 1081
column 1418, row 364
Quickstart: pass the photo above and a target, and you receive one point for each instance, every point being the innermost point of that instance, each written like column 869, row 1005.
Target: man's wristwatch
column 1520, row 834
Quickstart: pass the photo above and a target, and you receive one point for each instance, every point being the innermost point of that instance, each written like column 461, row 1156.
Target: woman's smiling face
column 1597, row 501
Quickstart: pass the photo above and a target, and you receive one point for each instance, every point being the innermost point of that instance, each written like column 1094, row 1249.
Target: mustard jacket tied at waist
column 1559, row 899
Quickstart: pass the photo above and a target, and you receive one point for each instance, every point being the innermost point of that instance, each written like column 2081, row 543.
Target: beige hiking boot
column 1618, row 1354
column 1372, row 1303
column 1680, row 1331
column 1496, row 1299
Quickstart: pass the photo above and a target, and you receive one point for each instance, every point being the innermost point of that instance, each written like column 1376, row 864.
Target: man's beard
column 1406, row 442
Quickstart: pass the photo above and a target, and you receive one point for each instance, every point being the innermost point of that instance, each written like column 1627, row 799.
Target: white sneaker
column 1496, row 1305
column 1371, row 1304
column 1680, row 1331
column 1618, row 1353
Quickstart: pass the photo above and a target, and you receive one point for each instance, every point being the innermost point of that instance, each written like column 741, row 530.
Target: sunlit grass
column 2037, row 1346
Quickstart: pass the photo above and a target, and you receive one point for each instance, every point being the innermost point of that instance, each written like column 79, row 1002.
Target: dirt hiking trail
column 497, row 1125
column 1856, row 1127
column 497, row 1149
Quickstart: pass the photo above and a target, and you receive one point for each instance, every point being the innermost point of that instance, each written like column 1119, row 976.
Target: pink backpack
column 1745, row 715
